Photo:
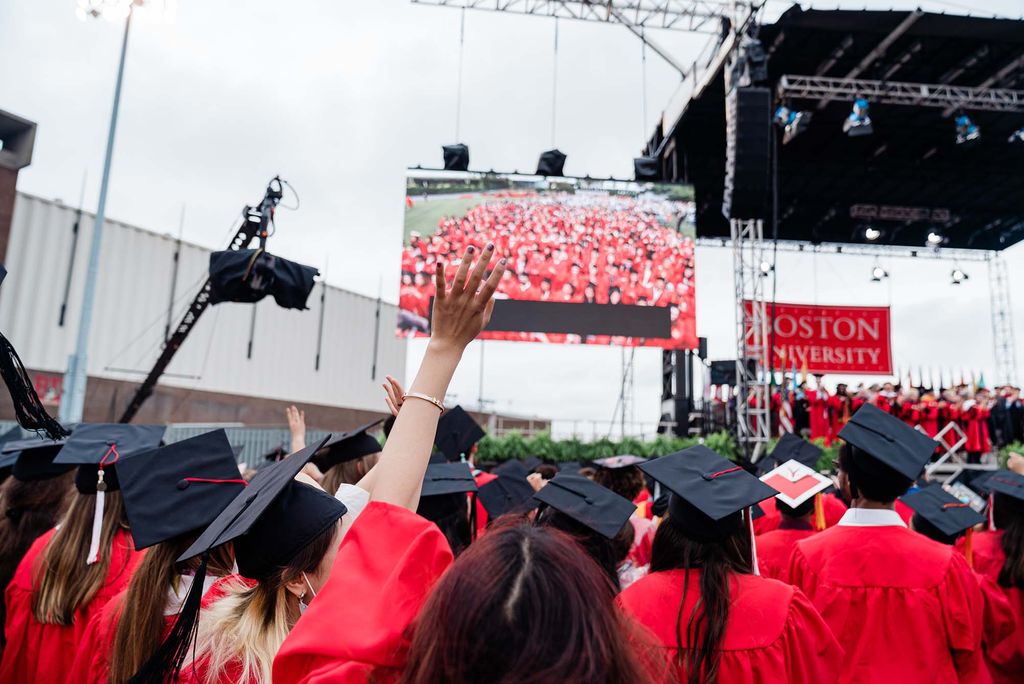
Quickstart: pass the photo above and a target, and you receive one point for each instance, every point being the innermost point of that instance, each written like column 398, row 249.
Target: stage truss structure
column 942, row 96
column 1003, row 339
column 753, row 400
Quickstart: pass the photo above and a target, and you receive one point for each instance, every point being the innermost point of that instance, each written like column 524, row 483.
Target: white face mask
column 303, row 605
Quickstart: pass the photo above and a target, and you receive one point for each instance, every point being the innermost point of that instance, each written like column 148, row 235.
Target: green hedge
column 514, row 445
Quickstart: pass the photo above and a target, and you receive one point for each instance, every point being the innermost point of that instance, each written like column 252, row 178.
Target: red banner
column 851, row 340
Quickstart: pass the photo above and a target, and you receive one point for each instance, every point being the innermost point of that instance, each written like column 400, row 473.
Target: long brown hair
column 699, row 651
column 349, row 472
column 63, row 580
column 141, row 625
column 523, row 604
column 250, row 622
column 1008, row 515
column 27, row 509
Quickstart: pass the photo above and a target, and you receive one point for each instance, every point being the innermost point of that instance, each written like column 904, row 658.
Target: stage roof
column 910, row 167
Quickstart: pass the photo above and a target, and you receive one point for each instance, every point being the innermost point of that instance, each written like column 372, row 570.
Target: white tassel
column 97, row 527
column 753, row 544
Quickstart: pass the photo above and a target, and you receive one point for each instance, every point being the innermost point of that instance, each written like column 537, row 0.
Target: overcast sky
column 340, row 97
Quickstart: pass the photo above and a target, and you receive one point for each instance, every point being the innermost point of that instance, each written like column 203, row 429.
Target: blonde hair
column 247, row 626
column 63, row 581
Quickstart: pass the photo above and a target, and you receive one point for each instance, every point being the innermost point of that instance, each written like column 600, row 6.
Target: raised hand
column 393, row 394
column 462, row 311
column 296, row 427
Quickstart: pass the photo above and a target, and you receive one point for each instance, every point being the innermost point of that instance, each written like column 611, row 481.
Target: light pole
column 72, row 400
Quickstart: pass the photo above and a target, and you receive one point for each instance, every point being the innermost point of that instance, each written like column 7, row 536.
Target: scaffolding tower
column 1003, row 340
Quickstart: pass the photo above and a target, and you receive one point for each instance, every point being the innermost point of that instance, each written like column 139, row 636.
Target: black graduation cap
column 447, row 478
column 948, row 514
column 889, row 440
column 791, row 447
column 569, row 467
column 98, row 447
column 33, row 458
column 505, row 494
column 1006, row 482
column 457, row 432
column 511, row 468
column 707, row 490
column 272, row 519
column 178, row 488
column 550, row 163
column 7, row 459
column 456, row 157
column 587, row 502
column 532, row 462
column 617, row 462
column 348, row 447
column 249, row 275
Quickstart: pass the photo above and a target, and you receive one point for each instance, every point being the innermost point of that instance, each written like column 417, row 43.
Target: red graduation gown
column 773, row 634
column 358, row 626
column 906, row 609
column 834, row 510
column 774, row 550
column 1005, row 657
column 41, row 654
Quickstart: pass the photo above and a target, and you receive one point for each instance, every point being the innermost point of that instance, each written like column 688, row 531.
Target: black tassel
column 165, row 664
column 27, row 408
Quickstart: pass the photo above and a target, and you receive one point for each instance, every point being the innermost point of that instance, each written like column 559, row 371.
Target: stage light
column 858, row 122
column 1017, row 136
column 781, row 117
column 551, row 163
column 872, row 234
column 878, row 274
column 765, row 268
column 792, row 122
column 958, row 276
column 456, row 157
column 934, row 238
column 966, row 130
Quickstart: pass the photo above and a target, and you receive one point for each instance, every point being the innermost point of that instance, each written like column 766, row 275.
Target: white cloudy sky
column 339, row 97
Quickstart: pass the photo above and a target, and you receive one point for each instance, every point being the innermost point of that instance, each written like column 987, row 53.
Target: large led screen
column 589, row 262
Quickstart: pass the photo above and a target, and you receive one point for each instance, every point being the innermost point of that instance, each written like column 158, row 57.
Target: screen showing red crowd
column 589, row 262
column 831, row 339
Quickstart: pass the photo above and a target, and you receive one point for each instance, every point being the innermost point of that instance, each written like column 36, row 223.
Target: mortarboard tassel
column 28, row 409
column 753, row 544
column 991, row 512
column 97, row 515
column 969, row 547
column 819, row 512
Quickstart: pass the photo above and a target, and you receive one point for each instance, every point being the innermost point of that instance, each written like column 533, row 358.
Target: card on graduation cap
column 795, row 482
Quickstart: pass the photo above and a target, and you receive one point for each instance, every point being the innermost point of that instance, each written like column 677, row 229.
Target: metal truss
column 947, row 467
column 1003, row 339
column 894, row 251
column 890, row 92
column 753, row 401
column 701, row 16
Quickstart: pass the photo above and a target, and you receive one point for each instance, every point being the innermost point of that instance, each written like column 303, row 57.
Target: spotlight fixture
column 456, row 157
column 878, row 274
column 934, row 238
column 958, row 276
column 872, row 234
column 858, row 122
column 966, row 130
column 551, row 163
column 1017, row 136
column 793, row 123
column 765, row 268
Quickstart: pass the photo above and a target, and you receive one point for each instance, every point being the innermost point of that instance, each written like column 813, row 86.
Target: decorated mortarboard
column 616, row 462
column 945, row 512
column 457, row 432
column 348, row 447
column 178, row 488
column 96, row 448
column 33, row 458
column 792, row 447
column 889, row 440
column 587, row 502
column 795, row 482
column 269, row 523
column 505, row 494
column 707, row 490
column 1006, row 482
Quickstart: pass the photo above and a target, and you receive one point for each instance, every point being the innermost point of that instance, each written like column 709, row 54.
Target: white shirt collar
column 871, row 517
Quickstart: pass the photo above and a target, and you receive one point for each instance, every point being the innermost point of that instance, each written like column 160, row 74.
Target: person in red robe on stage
column 930, row 415
column 904, row 608
column 974, row 421
column 999, row 556
column 70, row 573
column 521, row 603
column 817, row 410
column 708, row 612
column 166, row 519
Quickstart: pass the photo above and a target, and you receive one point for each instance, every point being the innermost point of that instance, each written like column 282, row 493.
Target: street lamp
column 72, row 401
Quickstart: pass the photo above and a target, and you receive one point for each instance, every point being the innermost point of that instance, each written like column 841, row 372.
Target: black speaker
column 456, row 157
column 702, row 348
column 550, row 163
column 646, row 169
column 747, row 149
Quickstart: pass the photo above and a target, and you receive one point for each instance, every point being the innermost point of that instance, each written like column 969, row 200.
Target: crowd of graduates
column 582, row 249
column 129, row 560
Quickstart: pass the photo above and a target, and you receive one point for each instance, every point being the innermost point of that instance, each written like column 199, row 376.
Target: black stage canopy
column 908, row 178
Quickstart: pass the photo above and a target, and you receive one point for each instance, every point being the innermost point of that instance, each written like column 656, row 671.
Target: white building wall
column 130, row 314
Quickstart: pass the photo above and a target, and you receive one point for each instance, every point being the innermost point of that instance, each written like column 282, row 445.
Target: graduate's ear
column 297, row 587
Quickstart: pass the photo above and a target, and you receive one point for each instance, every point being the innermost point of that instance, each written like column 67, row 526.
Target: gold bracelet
column 426, row 398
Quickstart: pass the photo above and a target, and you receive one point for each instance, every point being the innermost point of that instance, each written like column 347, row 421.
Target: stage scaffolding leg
column 753, row 418
column 1003, row 341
